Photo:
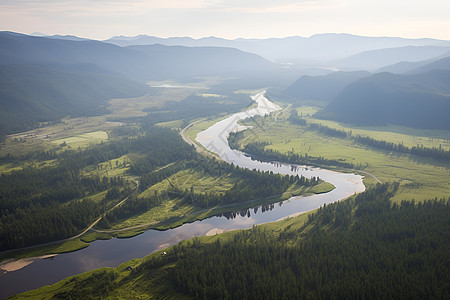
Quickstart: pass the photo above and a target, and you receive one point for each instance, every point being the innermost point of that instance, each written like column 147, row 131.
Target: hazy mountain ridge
column 376, row 59
column 36, row 93
column 418, row 100
column 320, row 47
column 46, row 78
column 138, row 62
column 323, row 88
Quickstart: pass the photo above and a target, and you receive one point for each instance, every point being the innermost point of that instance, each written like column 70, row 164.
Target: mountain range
column 300, row 50
column 43, row 78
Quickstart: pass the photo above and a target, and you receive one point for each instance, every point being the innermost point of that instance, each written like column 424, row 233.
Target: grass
column 80, row 132
column 192, row 131
column 64, row 247
column 111, row 168
column 420, row 178
column 83, row 140
column 174, row 212
column 171, row 209
column 171, row 124
column 396, row 134
column 306, row 111
column 17, row 166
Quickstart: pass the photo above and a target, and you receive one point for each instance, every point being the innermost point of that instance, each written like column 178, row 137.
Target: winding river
column 111, row 253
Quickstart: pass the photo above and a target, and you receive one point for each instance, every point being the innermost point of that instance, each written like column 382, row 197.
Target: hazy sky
column 101, row 19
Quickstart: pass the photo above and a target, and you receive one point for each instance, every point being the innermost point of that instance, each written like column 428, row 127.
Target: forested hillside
column 323, row 88
column 30, row 94
column 45, row 79
column 418, row 101
column 42, row 204
column 364, row 247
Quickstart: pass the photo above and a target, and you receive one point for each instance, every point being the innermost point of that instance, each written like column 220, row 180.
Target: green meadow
column 420, row 178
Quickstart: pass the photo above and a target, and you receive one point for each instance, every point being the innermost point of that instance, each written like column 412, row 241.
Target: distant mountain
column 415, row 67
column 323, row 88
column 36, row 93
column 440, row 64
column 66, row 37
column 419, row 101
column 306, row 51
column 181, row 61
column 375, row 59
column 140, row 63
column 45, row 78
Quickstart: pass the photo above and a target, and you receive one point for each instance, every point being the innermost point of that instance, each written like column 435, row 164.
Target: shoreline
column 14, row 265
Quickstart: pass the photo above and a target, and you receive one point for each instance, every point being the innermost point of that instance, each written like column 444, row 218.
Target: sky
column 101, row 19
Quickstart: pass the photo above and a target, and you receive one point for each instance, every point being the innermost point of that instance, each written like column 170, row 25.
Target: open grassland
column 199, row 126
column 175, row 208
column 176, row 211
column 410, row 137
column 56, row 248
column 306, row 111
column 136, row 107
column 77, row 132
column 421, row 178
column 82, row 140
column 83, row 131
column 111, row 168
column 171, row 124
column 17, row 166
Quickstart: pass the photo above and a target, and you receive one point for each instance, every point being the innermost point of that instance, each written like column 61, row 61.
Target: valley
column 289, row 168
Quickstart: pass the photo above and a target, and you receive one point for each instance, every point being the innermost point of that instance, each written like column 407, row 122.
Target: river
column 110, row 253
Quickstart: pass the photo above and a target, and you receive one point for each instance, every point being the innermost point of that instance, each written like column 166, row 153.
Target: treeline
column 329, row 131
column 258, row 151
column 39, row 205
column 295, row 119
column 132, row 206
column 351, row 249
column 249, row 185
column 419, row 150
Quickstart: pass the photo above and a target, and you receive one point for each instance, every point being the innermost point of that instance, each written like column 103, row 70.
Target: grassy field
column 171, row 124
column 396, row 134
column 420, row 178
column 83, row 140
column 80, row 132
column 193, row 130
column 175, row 212
column 57, row 248
column 111, row 168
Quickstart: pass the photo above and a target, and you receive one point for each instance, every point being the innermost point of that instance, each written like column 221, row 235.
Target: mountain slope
column 419, row 100
column 440, row 64
column 323, row 88
column 44, row 79
column 414, row 67
column 37, row 93
column 375, row 59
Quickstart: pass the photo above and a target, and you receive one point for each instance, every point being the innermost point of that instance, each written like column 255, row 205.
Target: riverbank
column 116, row 251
